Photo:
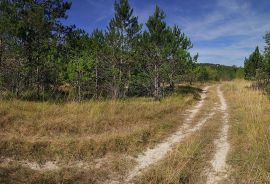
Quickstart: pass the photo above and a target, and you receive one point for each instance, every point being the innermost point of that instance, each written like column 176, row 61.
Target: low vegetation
column 250, row 133
column 79, row 107
column 68, row 133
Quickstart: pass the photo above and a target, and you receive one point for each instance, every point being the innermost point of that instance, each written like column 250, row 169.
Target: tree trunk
column 119, row 83
column 38, row 85
column 126, row 90
column 114, row 85
column 1, row 50
column 96, row 81
column 156, row 83
column 79, row 87
column 172, row 86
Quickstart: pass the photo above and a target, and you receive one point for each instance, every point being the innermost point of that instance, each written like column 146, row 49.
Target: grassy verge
column 43, row 131
column 250, row 133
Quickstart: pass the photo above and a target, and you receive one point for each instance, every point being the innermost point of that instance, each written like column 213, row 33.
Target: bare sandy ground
column 219, row 170
column 152, row 156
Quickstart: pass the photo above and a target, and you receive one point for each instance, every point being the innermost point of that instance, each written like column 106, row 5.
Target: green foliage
column 252, row 64
column 29, row 33
column 216, row 72
column 123, row 32
column 257, row 66
column 266, row 60
column 40, row 58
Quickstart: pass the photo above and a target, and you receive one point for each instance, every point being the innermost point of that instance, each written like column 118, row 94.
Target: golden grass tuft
column 250, row 133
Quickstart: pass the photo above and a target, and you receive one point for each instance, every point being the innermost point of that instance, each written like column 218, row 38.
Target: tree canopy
column 40, row 58
column 257, row 66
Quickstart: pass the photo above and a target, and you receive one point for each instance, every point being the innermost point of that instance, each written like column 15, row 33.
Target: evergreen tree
column 34, row 31
column 39, row 55
column 266, row 61
column 179, row 45
column 155, row 43
column 252, row 64
column 123, row 31
column 98, row 46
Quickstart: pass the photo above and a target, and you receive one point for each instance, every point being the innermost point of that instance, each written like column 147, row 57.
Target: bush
column 7, row 95
column 267, row 89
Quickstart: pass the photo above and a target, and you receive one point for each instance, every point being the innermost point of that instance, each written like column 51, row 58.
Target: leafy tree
column 203, row 74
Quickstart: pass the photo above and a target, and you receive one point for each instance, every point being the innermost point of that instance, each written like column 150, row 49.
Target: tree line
column 41, row 58
column 217, row 72
column 257, row 66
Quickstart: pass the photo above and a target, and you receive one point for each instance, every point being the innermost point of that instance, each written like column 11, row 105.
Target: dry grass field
column 250, row 133
column 101, row 141
column 44, row 142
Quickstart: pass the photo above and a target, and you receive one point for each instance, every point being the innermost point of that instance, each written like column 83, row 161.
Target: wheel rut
column 152, row 156
column 219, row 168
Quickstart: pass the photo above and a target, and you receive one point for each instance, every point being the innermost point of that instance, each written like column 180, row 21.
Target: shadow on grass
column 187, row 89
column 60, row 98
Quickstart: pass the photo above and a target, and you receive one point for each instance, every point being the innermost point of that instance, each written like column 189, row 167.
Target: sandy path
column 219, row 168
column 152, row 156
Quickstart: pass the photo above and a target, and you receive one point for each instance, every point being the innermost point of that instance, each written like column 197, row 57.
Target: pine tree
column 179, row 45
column 267, row 56
column 252, row 64
column 80, row 67
column 38, row 54
column 34, row 35
column 97, row 49
column 155, row 42
column 123, row 30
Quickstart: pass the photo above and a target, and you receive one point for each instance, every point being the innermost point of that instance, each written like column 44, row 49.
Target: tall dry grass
column 250, row 133
column 42, row 131
column 100, row 134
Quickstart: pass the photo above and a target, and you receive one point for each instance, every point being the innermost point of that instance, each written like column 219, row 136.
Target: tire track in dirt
column 219, row 170
column 152, row 156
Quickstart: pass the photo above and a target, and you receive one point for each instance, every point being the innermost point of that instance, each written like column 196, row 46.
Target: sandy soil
column 155, row 154
column 219, row 170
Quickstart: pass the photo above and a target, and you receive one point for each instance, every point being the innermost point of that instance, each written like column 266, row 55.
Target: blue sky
column 222, row 31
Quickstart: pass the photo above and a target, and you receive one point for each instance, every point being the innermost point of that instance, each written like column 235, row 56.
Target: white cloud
column 235, row 22
column 230, row 19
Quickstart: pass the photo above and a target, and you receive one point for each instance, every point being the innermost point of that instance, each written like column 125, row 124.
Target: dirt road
column 210, row 109
column 218, row 170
